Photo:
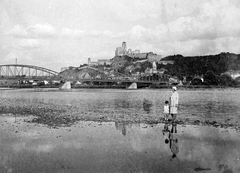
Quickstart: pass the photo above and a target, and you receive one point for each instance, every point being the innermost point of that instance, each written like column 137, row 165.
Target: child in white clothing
column 166, row 110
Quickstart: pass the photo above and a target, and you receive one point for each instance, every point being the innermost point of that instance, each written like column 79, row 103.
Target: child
column 166, row 110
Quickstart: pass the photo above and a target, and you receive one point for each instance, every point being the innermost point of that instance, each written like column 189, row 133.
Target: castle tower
column 124, row 46
column 89, row 61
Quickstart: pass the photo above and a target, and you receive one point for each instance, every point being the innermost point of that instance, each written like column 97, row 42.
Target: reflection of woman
column 173, row 141
column 174, row 103
column 122, row 127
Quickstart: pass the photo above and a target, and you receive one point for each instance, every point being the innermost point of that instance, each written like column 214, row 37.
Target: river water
column 121, row 147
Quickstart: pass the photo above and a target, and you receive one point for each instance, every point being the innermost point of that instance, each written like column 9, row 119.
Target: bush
column 226, row 80
column 196, row 81
column 210, row 78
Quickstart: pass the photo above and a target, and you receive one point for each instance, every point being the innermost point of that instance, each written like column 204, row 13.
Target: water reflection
column 170, row 138
column 122, row 126
column 100, row 147
column 173, row 141
column 166, row 132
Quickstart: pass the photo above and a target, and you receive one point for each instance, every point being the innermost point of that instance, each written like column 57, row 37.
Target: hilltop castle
column 150, row 56
column 120, row 51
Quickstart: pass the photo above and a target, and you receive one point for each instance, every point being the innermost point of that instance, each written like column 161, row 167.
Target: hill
column 208, row 67
column 200, row 65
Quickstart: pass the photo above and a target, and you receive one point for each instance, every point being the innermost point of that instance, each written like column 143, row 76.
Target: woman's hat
column 174, row 88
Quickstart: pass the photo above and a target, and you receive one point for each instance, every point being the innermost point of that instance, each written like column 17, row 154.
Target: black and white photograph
column 119, row 86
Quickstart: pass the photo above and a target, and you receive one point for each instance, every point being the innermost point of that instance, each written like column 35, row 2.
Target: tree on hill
column 200, row 65
column 226, row 80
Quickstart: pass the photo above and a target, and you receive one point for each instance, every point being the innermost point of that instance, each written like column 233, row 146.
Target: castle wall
column 104, row 62
column 155, row 58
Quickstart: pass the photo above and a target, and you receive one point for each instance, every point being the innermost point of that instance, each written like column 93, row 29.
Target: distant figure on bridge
column 174, row 103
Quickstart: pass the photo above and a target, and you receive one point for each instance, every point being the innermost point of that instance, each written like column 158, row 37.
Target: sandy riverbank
column 55, row 115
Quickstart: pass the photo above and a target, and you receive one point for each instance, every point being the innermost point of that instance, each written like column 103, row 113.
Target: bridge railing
column 148, row 79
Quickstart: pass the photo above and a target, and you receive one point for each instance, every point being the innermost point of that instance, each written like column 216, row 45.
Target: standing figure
column 166, row 110
column 174, row 103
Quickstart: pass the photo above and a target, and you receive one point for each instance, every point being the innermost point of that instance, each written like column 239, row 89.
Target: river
column 123, row 147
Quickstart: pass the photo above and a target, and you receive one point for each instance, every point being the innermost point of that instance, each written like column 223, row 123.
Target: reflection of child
column 166, row 133
column 171, row 139
column 165, row 128
column 166, row 110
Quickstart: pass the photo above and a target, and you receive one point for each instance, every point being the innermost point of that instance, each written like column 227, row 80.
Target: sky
column 61, row 33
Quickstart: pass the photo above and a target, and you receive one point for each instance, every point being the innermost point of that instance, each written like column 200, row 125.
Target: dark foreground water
column 120, row 147
column 112, row 147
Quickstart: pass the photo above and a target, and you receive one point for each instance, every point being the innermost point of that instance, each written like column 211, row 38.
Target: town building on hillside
column 92, row 63
column 233, row 73
column 88, row 72
column 103, row 62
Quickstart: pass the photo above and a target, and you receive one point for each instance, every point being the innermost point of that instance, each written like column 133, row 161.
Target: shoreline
column 54, row 115
column 124, row 87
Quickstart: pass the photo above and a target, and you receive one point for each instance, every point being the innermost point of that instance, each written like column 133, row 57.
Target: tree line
column 210, row 67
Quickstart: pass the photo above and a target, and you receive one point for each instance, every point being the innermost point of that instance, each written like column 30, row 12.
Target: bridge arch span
column 25, row 71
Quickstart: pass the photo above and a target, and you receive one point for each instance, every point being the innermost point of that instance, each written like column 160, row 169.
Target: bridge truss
column 16, row 75
column 15, row 71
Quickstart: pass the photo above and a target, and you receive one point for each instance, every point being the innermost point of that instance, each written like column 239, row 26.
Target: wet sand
column 55, row 115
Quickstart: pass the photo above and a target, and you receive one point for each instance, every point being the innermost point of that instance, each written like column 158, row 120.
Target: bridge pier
column 133, row 86
column 65, row 86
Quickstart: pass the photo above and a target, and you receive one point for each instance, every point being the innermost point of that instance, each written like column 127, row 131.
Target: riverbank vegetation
column 204, row 70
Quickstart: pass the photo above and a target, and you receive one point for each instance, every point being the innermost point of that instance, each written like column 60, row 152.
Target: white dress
column 166, row 109
column 174, row 103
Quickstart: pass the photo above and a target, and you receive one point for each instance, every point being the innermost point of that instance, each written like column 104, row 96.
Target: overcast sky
column 61, row 33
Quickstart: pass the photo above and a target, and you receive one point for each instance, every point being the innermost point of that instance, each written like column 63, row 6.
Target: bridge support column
column 133, row 86
column 65, row 86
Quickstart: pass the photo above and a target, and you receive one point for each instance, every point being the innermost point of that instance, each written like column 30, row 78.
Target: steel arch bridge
column 16, row 71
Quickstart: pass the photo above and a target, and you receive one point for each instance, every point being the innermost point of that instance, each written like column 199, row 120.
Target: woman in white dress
column 174, row 103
